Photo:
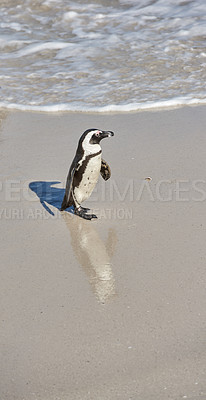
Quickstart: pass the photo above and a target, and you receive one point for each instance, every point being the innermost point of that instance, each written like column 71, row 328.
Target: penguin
column 84, row 171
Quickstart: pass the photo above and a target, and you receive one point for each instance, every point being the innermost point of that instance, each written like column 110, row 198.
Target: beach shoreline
column 112, row 308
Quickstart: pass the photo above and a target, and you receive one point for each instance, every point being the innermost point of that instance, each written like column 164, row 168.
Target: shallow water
column 102, row 55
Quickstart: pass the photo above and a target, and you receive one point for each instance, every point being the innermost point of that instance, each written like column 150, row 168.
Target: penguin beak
column 105, row 134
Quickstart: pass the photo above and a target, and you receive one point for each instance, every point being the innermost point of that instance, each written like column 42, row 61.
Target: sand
column 112, row 308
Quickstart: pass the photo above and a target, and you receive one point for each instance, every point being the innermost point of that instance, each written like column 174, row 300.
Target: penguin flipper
column 67, row 197
column 105, row 170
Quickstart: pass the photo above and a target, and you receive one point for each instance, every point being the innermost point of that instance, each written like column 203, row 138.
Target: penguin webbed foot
column 82, row 213
column 84, row 209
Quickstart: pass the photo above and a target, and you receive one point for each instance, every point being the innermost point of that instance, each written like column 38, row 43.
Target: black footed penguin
column 84, row 171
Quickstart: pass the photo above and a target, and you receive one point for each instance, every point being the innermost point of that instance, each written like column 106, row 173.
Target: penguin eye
column 97, row 133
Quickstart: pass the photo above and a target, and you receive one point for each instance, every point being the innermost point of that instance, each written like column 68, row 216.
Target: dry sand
column 114, row 308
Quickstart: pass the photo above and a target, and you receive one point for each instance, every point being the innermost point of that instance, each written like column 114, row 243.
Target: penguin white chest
column 89, row 179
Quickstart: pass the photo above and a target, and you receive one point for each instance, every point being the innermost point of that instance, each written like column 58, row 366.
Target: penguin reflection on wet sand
column 84, row 171
column 94, row 259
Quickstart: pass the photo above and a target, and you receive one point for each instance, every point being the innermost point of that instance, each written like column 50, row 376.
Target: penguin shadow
column 94, row 255
column 48, row 194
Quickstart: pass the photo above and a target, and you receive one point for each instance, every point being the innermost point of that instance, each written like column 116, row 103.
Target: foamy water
column 116, row 55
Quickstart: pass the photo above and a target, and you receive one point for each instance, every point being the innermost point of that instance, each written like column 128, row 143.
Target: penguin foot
column 81, row 213
column 84, row 209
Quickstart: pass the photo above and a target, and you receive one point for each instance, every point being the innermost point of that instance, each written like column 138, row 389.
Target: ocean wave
column 102, row 56
column 113, row 108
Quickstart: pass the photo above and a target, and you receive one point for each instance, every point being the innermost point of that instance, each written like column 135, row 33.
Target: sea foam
column 112, row 108
column 102, row 56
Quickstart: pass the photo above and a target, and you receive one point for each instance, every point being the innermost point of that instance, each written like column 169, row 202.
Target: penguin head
column 94, row 136
column 91, row 139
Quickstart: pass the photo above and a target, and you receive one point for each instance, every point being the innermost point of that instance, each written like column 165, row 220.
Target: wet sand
column 114, row 308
